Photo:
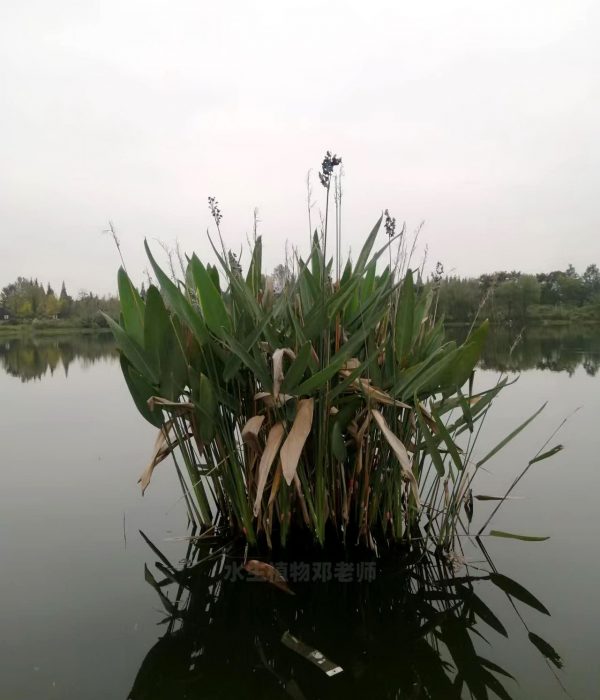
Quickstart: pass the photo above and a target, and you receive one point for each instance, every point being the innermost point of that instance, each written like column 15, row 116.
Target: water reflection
column 411, row 632
column 32, row 357
column 557, row 349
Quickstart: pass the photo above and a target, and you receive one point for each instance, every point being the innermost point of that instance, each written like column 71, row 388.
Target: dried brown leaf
column 160, row 451
column 270, row 401
column 400, row 451
column 268, row 573
column 271, row 448
column 294, row 443
column 250, row 432
column 183, row 406
column 278, row 356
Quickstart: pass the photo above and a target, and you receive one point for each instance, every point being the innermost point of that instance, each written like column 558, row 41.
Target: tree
column 591, row 283
column 65, row 302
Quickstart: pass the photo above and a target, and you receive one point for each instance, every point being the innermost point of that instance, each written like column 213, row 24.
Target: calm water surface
column 80, row 620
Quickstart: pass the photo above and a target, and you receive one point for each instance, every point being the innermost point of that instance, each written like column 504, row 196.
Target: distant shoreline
column 29, row 329
column 531, row 323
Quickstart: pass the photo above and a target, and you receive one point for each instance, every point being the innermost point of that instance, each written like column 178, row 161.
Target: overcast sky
column 482, row 118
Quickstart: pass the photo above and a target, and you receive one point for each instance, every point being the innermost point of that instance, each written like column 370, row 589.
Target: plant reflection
column 410, row 632
column 33, row 357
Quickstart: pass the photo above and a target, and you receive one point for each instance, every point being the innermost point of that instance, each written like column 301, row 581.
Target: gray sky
column 483, row 118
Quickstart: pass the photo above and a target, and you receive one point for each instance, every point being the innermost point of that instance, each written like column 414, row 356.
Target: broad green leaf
column 336, row 363
column 134, row 353
column 347, row 274
column 140, row 391
column 338, row 446
column 367, row 248
column 211, row 302
column 422, row 307
column 425, row 377
column 513, row 536
column 162, row 346
column 178, row 302
column 258, row 366
column 465, row 359
column 297, row 369
column 132, row 307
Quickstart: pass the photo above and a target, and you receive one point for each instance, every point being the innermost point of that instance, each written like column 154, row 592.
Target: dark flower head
column 327, row 166
column 390, row 224
column 213, row 205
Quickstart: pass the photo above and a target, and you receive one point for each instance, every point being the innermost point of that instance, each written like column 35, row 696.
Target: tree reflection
column 32, row 358
column 556, row 349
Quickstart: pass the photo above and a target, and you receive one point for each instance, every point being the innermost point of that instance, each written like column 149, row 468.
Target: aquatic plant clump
column 331, row 406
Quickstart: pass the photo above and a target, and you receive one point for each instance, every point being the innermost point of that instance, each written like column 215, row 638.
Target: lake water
column 80, row 620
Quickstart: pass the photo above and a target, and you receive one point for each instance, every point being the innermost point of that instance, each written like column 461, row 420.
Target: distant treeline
column 26, row 300
column 502, row 297
column 515, row 296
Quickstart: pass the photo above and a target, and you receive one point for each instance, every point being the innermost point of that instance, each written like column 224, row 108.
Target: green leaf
column 446, row 437
column 134, row 353
column 297, row 369
column 254, row 278
column 422, row 307
column 546, row 455
column 178, row 302
column 257, row 366
column 514, row 589
column 211, row 302
column 338, row 446
column 207, row 407
column 508, row 438
column 336, row 363
column 156, row 329
column 466, row 357
column 140, row 391
column 405, row 319
column 482, row 497
column 132, row 307
column 424, row 377
column 163, row 347
column 513, row 536
column 367, row 248
column 432, row 448
column 466, row 409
